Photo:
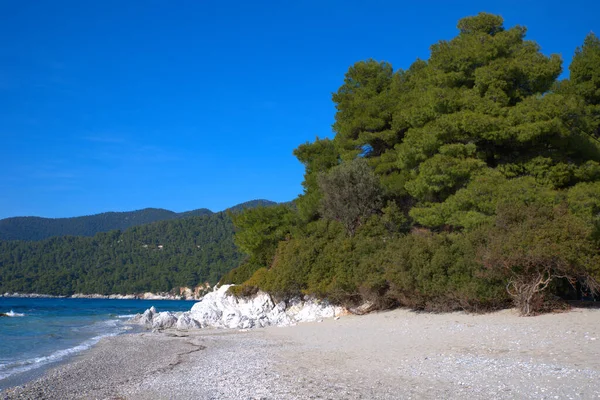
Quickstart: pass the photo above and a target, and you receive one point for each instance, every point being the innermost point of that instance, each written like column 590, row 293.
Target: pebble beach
column 386, row 355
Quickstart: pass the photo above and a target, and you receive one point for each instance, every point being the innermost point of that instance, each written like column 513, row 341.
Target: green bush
column 242, row 273
column 438, row 272
column 534, row 245
column 251, row 286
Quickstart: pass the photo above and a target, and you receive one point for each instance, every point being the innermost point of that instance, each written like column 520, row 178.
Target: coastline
column 31, row 372
column 42, row 332
column 386, row 355
column 143, row 296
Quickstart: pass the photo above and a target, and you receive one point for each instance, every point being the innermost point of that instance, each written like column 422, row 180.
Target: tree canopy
column 445, row 145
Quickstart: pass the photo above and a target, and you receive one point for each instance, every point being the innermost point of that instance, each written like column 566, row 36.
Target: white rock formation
column 145, row 318
column 219, row 309
column 164, row 320
column 185, row 322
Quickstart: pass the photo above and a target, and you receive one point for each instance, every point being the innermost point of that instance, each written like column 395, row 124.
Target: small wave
column 11, row 313
column 128, row 316
column 17, row 367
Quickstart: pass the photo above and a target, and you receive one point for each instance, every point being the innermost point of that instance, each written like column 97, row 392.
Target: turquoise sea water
column 42, row 331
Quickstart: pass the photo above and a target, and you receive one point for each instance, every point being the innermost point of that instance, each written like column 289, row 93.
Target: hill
column 185, row 250
column 37, row 228
column 251, row 204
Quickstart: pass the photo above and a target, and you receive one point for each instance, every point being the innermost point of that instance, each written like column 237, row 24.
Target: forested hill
column 154, row 257
column 36, row 228
column 251, row 204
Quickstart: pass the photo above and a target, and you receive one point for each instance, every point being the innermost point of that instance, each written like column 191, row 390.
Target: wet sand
column 387, row 355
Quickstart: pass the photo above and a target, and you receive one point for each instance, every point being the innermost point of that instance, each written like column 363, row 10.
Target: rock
column 222, row 310
column 312, row 310
column 122, row 296
column 163, row 320
column 278, row 316
column 185, row 322
column 148, row 315
column 365, row 308
column 145, row 318
column 219, row 309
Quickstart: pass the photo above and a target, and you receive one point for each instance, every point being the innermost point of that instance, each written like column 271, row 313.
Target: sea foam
column 11, row 313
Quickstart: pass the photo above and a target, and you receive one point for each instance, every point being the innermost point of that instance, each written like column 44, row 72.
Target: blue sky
column 122, row 105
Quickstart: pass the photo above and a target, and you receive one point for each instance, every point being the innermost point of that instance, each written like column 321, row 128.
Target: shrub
column 251, row 286
column 351, row 193
column 240, row 274
column 533, row 245
column 259, row 230
column 438, row 272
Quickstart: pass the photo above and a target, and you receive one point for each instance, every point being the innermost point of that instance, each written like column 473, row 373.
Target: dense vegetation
column 154, row 257
column 468, row 181
column 36, row 228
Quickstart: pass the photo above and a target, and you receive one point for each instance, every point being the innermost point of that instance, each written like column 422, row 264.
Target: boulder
column 185, row 322
column 163, row 320
column 148, row 315
column 219, row 309
column 145, row 318
column 364, row 308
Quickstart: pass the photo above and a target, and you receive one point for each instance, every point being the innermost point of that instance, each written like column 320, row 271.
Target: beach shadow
column 584, row 303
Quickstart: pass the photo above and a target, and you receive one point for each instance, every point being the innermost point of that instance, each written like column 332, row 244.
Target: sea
column 41, row 332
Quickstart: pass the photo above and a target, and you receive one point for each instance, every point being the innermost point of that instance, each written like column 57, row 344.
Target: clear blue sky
column 122, row 105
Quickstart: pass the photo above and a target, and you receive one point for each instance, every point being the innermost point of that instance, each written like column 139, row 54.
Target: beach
column 386, row 355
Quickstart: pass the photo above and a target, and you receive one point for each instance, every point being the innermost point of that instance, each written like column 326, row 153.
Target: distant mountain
column 194, row 213
column 251, row 204
column 37, row 228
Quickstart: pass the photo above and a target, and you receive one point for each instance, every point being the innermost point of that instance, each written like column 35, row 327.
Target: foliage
column 155, row 257
column 317, row 157
column 533, row 245
column 475, row 204
column 439, row 272
column 584, row 201
column 241, row 273
column 351, row 193
column 261, row 229
column 585, row 70
column 467, row 173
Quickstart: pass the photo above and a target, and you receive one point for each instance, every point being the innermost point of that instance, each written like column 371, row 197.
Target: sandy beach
column 388, row 355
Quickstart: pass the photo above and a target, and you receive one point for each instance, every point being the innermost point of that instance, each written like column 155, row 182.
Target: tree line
column 471, row 181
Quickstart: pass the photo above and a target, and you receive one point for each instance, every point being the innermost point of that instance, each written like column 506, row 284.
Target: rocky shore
column 140, row 296
column 32, row 296
column 181, row 293
column 387, row 355
column 219, row 309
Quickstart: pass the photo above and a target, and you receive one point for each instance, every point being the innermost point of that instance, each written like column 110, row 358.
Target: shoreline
column 385, row 355
column 36, row 367
column 144, row 296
